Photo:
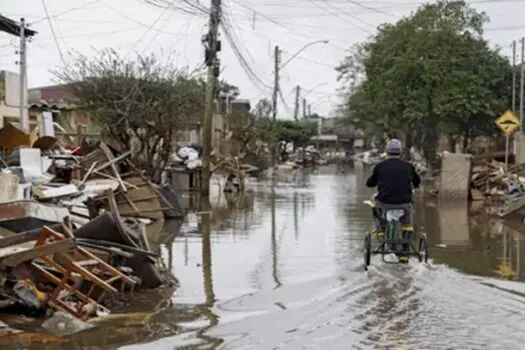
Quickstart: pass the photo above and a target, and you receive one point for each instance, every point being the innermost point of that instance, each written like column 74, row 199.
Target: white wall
column 10, row 106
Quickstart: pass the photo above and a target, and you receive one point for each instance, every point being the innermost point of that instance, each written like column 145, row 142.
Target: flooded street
column 300, row 283
column 285, row 271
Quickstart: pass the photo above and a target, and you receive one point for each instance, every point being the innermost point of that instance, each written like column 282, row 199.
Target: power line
column 370, row 8
column 150, row 27
column 53, row 33
column 229, row 33
column 335, row 14
column 192, row 8
column 65, row 12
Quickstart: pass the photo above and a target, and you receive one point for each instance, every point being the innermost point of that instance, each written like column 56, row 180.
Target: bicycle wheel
column 368, row 250
column 423, row 248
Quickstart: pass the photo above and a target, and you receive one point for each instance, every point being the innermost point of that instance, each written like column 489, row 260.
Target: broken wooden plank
column 105, row 266
column 114, row 178
column 86, row 274
column 145, row 179
column 112, row 162
column 17, row 258
column 67, row 286
column 86, row 176
column 19, row 238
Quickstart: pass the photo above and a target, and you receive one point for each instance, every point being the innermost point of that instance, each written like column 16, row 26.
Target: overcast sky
column 257, row 25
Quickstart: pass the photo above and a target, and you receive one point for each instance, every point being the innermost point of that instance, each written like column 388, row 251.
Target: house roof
column 58, row 105
column 9, row 26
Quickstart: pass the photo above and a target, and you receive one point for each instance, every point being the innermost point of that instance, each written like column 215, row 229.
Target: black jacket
column 394, row 179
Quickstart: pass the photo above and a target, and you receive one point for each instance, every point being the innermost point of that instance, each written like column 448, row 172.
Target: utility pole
column 521, row 82
column 304, row 108
column 22, row 63
column 277, row 59
column 514, row 76
column 297, row 97
column 277, row 63
column 212, row 46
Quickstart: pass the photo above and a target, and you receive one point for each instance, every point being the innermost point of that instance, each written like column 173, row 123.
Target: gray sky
column 258, row 25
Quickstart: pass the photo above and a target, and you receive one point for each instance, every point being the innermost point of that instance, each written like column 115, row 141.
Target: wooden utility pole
column 212, row 46
column 297, row 98
column 304, row 108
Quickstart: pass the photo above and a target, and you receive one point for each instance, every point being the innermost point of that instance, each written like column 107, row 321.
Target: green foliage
column 299, row 132
column 141, row 103
column 428, row 74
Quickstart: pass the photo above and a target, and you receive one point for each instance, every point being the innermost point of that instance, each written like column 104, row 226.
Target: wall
column 10, row 97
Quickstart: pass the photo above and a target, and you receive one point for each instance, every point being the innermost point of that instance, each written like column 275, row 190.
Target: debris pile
column 490, row 179
column 73, row 228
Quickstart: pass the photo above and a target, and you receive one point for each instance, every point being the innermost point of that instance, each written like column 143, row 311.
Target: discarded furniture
column 23, row 216
column 110, row 227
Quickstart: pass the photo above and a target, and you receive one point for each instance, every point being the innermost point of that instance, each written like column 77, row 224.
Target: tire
column 368, row 250
column 423, row 248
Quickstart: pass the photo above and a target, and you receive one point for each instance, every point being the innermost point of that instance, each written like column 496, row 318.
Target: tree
column 141, row 103
column 297, row 132
column 428, row 74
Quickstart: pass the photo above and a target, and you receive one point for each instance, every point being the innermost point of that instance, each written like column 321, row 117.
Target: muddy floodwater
column 282, row 268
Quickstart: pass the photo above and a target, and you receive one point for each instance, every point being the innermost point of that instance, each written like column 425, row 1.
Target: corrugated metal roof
column 52, row 104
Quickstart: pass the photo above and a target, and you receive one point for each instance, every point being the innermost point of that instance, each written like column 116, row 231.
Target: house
column 335, row 135
column 240, row 105
column 59, row 100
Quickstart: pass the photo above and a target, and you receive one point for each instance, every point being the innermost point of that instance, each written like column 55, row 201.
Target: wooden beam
column 17, row 258
column 22, row 237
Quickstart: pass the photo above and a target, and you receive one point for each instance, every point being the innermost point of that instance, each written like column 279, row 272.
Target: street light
column 302, row 49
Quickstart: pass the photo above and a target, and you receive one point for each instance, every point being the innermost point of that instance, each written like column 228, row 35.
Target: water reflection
column 275, row 274
column 470, row 241
column 207, row 308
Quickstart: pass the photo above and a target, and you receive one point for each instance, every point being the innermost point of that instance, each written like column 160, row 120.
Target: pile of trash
column 189, row 156
column 73, row 228
column 490, row 179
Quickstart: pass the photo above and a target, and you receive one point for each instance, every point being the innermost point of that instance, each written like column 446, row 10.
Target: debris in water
column 62, row 324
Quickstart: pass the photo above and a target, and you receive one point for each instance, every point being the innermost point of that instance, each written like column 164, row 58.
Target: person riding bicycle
column 395, row 178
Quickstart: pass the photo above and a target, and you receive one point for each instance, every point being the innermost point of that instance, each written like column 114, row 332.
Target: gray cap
column 393, row 147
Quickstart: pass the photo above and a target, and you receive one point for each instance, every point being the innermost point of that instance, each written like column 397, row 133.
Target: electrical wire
column 371, row 8
column 53, row 33
column 65, row 12
column 192, row 8
column 149, row 28
column 229, row 34
column 283, row 100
